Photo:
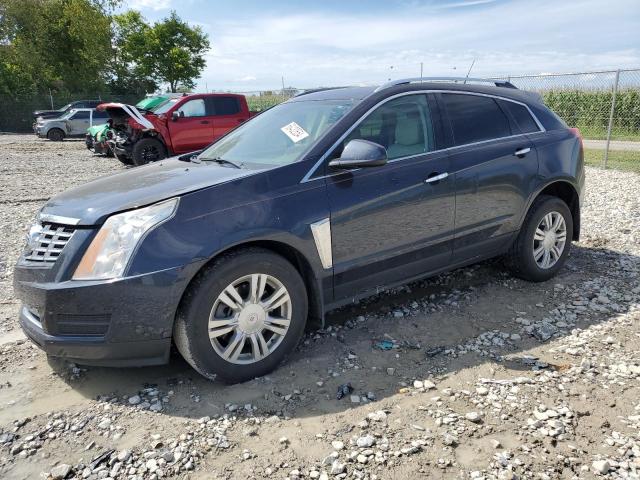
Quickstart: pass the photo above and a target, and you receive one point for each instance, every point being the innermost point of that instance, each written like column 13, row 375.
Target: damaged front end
column 128, row 126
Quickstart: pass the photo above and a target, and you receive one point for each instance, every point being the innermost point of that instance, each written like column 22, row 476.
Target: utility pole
column 421, row 65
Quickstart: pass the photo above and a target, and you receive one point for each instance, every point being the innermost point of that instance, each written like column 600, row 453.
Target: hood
column 48, row 113
column 119, row 110
column 92, row 202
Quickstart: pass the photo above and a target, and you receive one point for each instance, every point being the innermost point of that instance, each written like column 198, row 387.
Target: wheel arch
column 293, row 256
column 568, row 193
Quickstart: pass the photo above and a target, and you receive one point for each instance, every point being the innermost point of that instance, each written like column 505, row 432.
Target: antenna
column 472, row 63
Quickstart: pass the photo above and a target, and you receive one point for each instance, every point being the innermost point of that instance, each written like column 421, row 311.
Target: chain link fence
column 604, row 105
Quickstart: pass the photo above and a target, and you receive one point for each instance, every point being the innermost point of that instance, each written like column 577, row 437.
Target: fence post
column 51, row 98
column 613, row 109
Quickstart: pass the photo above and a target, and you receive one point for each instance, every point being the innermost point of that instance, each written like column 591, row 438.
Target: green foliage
column 174, row 52
column 626, row 160
column 590, row 111
column 53, row 44
column 80, row 45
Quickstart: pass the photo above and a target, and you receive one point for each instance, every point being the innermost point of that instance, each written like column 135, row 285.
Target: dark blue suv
column 315, row 203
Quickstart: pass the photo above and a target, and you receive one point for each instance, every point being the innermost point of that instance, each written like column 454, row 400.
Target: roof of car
column 360, row 93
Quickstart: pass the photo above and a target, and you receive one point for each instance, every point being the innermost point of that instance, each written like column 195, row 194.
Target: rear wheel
column 148, row 150
column 544, row 241
column 242, row 316
column 55, row 135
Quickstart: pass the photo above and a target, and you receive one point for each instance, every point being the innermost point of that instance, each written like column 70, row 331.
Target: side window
column 225, row 105
column 97, row 114
column 80, row 116
column 403, row 126
column 475, row 118
column 521, row 115
column 192, row 108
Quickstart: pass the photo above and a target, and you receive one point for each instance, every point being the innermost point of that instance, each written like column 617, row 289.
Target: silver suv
column 73, row 124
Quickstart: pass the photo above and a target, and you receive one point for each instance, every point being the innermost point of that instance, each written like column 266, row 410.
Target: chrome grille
column 45, row 242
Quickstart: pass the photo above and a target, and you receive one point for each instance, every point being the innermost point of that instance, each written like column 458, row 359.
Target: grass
column 618, row 159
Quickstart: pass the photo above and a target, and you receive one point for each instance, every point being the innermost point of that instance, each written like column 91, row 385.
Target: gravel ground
column 480, row 375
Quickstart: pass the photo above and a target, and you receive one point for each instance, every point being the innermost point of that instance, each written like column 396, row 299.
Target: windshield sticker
column 295, row 132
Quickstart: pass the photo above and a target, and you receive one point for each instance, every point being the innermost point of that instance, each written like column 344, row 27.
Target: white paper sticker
column 295, row 132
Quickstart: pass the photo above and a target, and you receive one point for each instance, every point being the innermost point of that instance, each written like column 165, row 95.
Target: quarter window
column 403, row 126
column 192, row 108
column 475, row 118
column 521, row 115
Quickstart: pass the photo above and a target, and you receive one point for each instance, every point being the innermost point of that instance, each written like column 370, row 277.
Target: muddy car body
column 180, row 125
column 322, row 200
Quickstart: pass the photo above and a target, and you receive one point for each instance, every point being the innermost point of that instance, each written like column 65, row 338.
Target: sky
column 255, row 44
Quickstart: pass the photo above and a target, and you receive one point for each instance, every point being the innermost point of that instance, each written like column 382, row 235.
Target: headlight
column 112, row 248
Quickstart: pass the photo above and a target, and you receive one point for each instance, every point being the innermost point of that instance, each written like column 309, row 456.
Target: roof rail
column 314, row 90
column 404, row 81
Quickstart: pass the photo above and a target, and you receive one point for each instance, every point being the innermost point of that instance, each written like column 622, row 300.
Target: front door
column 193, row 129
column 78, row 123
column 492, row 163
column 394, row 222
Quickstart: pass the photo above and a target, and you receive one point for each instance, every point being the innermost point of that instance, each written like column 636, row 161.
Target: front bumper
column 125, row 322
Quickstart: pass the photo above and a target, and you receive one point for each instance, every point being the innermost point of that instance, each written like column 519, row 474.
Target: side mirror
column 175, row 116
column 361, row 154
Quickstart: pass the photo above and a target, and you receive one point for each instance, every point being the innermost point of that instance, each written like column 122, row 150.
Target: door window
column 521, row 115
column 80, row 116
column 475, row 118
column 192, row 108
column 403, row 126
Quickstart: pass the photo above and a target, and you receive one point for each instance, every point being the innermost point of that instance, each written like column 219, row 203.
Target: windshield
column 166, row 106
column 66, row 107
column 280, row 135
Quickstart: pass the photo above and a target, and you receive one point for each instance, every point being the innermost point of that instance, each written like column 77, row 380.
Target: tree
column 175, row 52
column 129, row 71
column 58, row 44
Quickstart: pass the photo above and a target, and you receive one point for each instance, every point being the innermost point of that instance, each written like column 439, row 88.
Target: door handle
column 521, row 152
column 436, row 178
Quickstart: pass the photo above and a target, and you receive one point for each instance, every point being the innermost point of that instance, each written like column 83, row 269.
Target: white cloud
column 320, row 49
column 150, row 4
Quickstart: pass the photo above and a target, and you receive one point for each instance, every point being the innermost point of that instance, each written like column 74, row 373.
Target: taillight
column 576, row 132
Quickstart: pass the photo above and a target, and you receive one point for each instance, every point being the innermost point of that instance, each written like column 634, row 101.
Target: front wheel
column 55, row 135
column 242, row 315
column 148, row 150
column 543, row 243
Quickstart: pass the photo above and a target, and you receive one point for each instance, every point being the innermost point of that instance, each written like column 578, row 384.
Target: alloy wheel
column 549, row 240
column 250, row 318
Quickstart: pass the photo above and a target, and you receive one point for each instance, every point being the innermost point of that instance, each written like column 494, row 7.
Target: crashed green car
column 98, row 136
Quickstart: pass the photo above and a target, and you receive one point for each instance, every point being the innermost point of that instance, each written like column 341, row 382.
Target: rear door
column 193, row 129
column 494, row 165
column 394, row 222
column 226, row 114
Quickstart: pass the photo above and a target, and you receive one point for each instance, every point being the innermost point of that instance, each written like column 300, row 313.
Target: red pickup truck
column 182, row 124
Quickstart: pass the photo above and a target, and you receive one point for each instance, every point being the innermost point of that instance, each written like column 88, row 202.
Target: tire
column 126, row 160
column 203, row 299
column 527, row 257
column 55, row 135
column 148, row 150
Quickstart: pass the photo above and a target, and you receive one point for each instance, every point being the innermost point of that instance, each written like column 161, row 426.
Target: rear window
column 475, row 118
column 225, row 105
column 521, row 115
